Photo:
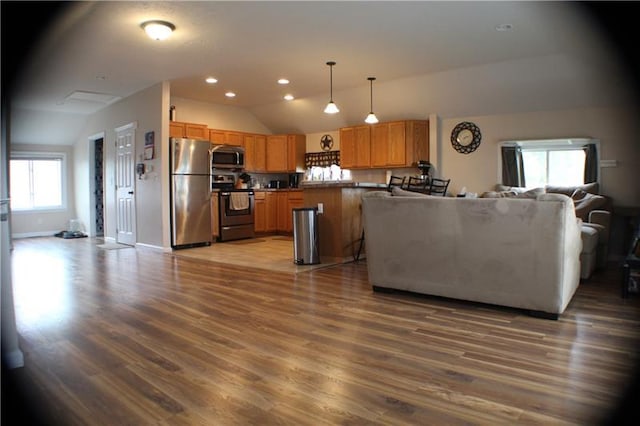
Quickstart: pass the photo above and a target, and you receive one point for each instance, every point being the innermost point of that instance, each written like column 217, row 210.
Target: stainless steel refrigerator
column 190, row 162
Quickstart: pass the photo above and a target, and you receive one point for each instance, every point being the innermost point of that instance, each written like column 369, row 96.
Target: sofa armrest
column 602, row 218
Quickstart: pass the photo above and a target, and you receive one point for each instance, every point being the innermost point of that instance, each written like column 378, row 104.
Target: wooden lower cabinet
column 265, row 212
column 260, row 213
column 215, row 214
column 274, row 210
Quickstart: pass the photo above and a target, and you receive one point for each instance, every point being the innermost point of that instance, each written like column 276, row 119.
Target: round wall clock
column 465, row 137
column 326, row 142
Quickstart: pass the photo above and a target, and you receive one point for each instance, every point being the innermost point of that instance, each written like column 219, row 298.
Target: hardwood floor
column 136, row 336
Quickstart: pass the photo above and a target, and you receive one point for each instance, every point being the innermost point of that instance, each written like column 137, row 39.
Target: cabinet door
column 215, row 215
column 347, row 148
column 271, row 209
column 396, row 149
column 363, row 146
column 283, row 204
column 233, row 138
column 260, row 214
column 249, row 152
column 379, row 144
column 260, row 153
column 176, row 130
column 277, row 153
column 196, row 131
column 216, row 137
column 296, row 148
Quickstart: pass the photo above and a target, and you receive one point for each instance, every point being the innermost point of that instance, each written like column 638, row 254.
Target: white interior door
column 125, row 185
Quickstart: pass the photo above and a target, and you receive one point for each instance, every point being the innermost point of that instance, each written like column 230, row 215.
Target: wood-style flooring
column 141, row 337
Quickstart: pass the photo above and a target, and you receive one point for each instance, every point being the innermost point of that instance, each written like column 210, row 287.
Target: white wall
column 41, row 223
column 144, row 108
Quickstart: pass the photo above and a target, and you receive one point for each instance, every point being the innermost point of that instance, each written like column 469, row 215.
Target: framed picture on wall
column 149, row 144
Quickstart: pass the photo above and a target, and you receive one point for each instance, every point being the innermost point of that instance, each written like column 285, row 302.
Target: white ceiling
column 100, row 47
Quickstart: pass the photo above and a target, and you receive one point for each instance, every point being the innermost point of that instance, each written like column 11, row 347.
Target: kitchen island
column 340, row 224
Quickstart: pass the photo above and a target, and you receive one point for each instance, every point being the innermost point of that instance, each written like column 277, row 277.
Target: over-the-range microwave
column 227, row 157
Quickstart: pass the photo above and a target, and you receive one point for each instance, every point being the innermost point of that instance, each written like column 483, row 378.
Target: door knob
column 130, row 192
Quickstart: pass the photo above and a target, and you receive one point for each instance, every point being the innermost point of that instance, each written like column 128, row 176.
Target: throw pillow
column 585, row 202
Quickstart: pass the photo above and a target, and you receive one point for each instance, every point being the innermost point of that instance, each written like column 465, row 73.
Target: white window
column 37, row 181
column 561, row 167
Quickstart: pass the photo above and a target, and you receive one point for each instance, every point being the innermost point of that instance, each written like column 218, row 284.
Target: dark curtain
column 512, row 166
column 590, row 163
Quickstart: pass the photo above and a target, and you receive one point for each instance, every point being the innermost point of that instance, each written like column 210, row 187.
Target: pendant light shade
column 371, row 118
column 331, row 107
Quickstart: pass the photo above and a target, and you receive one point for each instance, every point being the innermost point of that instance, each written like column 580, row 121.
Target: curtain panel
column 512, row 166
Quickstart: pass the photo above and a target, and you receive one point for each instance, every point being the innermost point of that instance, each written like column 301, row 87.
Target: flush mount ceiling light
column 331, row 107
column 504, row 27
column 288, row 97
column 158, row 30
column 230, row 95
column 371, row 118
column 283, row 81
column 211, row 80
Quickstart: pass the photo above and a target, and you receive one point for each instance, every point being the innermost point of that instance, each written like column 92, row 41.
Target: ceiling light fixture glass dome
column 158, row 30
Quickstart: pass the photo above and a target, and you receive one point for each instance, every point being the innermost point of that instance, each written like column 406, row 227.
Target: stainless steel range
column 236, row 208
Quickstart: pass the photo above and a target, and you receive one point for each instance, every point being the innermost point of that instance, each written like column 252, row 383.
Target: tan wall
column 478, row 171
column 217, row 116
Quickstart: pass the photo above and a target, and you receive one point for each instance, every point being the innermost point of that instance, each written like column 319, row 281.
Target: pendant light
column 331, row 107
column 371, row 118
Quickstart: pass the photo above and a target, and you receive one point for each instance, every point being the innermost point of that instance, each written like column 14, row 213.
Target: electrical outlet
column 320, row 208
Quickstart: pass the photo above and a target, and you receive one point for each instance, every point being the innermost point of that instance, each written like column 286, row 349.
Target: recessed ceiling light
column 288, row 97
column 211, row 80
column 283, row 81
column 158, row 30
column 230, row 95
column 504, row 27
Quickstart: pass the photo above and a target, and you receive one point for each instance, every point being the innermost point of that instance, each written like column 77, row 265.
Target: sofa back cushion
column 591, row 188
column 585, row 202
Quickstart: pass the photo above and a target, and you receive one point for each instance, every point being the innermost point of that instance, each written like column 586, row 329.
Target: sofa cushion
column 498, row 194
column 531, row 193
column 591, row 188
column 585, row 202
column 399, row 192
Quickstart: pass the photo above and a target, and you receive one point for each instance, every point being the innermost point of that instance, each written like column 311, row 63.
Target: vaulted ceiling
column 449, row 53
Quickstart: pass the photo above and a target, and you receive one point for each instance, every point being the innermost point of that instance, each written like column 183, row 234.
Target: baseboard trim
column 21, row 235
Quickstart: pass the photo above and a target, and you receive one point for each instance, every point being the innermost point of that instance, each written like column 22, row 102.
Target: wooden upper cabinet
column 399, row 143
column 196, row 131
column 355, row 147
column 188, row 130
column 255, row 151
column 277, row 149
column 379, row 144
column 216, row 137
column 234, row 138
column 296, row 149
column 226, row 137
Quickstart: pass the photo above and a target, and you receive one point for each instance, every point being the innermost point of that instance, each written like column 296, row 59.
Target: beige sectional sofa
column 516, row 252
column 593, row 209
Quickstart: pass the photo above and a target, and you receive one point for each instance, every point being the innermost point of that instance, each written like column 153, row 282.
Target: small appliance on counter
column 294, row 180
column 278, row 184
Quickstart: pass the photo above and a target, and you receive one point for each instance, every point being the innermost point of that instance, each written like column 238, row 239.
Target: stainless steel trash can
column 305, row 236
